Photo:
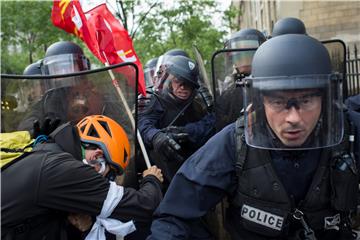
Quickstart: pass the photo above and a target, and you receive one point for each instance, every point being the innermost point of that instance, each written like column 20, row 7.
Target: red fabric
column 104, row 35
column 61, row 16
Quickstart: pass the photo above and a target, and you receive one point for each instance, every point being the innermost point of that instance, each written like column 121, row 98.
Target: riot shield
column 337, row 52
column 229, row 67
column 205, row 89
column 71, row 97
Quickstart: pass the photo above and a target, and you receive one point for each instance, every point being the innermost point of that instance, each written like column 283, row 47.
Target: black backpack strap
column 241, row 146
column 25, row 154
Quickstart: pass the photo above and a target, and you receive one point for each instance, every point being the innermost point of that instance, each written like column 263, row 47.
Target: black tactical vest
column 261, row 208
column 184, row 113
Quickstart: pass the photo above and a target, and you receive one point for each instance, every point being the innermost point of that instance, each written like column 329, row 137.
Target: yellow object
column 13, row 145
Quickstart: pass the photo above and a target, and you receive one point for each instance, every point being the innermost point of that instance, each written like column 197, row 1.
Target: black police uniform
column 162, row 110
column 262, row 199
column 41, row 189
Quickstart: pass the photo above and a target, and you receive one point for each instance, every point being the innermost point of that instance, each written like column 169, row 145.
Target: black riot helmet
column 161, row 66
column 176, row 52
column 151, row 63
column 33, row 69
column 241, row 60
column 184, row 69
column 245, row 38
column 64, row 57
column 293, row 71
column 287, row 26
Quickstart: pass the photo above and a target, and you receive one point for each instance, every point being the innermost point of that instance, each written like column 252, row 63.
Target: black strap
column 241, row 146
column 25, row 154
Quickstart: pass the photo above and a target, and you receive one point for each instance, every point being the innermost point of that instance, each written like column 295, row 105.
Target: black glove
column 164, row 144
column 47, row 127
column 206, row 96
column 177, row 133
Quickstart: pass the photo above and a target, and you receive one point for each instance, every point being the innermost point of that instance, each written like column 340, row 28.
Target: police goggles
column 306, row 102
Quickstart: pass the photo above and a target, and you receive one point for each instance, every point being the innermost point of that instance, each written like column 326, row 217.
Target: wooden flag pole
column 128, row 111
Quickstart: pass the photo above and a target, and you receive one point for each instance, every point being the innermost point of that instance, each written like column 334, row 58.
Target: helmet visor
column 149, row 75
column 284, row 113
column 64, row 63
column 179, row 87
column 242, row 60
column 160, row 74
column 239, row 43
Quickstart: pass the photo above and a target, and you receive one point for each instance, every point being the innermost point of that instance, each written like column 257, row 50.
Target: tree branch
column 143, row 19
column 124, row 17
column 118, row 13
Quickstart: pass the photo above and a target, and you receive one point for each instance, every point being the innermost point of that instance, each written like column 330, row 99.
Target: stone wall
column 324, row 20
column 332, row 19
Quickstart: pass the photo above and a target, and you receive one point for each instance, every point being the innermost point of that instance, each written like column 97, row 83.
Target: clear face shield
column 149, row 76
column 160, row 73
column 64, row 64
column 241, row 61
column 180, row 88
column 240, row 43
column 293, row 113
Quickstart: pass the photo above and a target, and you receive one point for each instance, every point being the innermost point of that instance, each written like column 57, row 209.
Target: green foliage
column 26, row 32
column 229, row 15
column 184, row 24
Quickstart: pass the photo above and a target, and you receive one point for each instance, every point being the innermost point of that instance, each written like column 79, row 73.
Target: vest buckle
column 308, row 232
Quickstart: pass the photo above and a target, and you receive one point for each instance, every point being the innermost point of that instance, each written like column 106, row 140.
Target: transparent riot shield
column 229, row 67
column 109, row 91
column 337, row 52
column 205, row 89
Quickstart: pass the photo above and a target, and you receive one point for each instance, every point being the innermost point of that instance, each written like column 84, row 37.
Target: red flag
column 61, row 16
column 104, row 35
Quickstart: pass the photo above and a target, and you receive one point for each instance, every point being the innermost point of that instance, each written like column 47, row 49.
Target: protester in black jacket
column 40, row 189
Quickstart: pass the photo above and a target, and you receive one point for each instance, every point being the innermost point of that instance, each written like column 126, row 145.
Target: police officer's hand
column 177, row 133
column 163, row 143
column 47, row 127
column 154, row 170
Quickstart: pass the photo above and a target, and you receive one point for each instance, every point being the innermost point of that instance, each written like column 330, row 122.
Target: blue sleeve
column 202, row 181
column 149, row 119
column 200, row 131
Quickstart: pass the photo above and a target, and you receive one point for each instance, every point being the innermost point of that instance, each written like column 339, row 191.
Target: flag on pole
column 104, row 35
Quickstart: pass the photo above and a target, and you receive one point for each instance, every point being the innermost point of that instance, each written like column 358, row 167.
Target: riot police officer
column 239, row 66
column 174, row 125
column 149, row 74
column 35, row 88
column 68, row 98
column 149, row 71
column 33, row 69
column 162, row 64
column 286, row 168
